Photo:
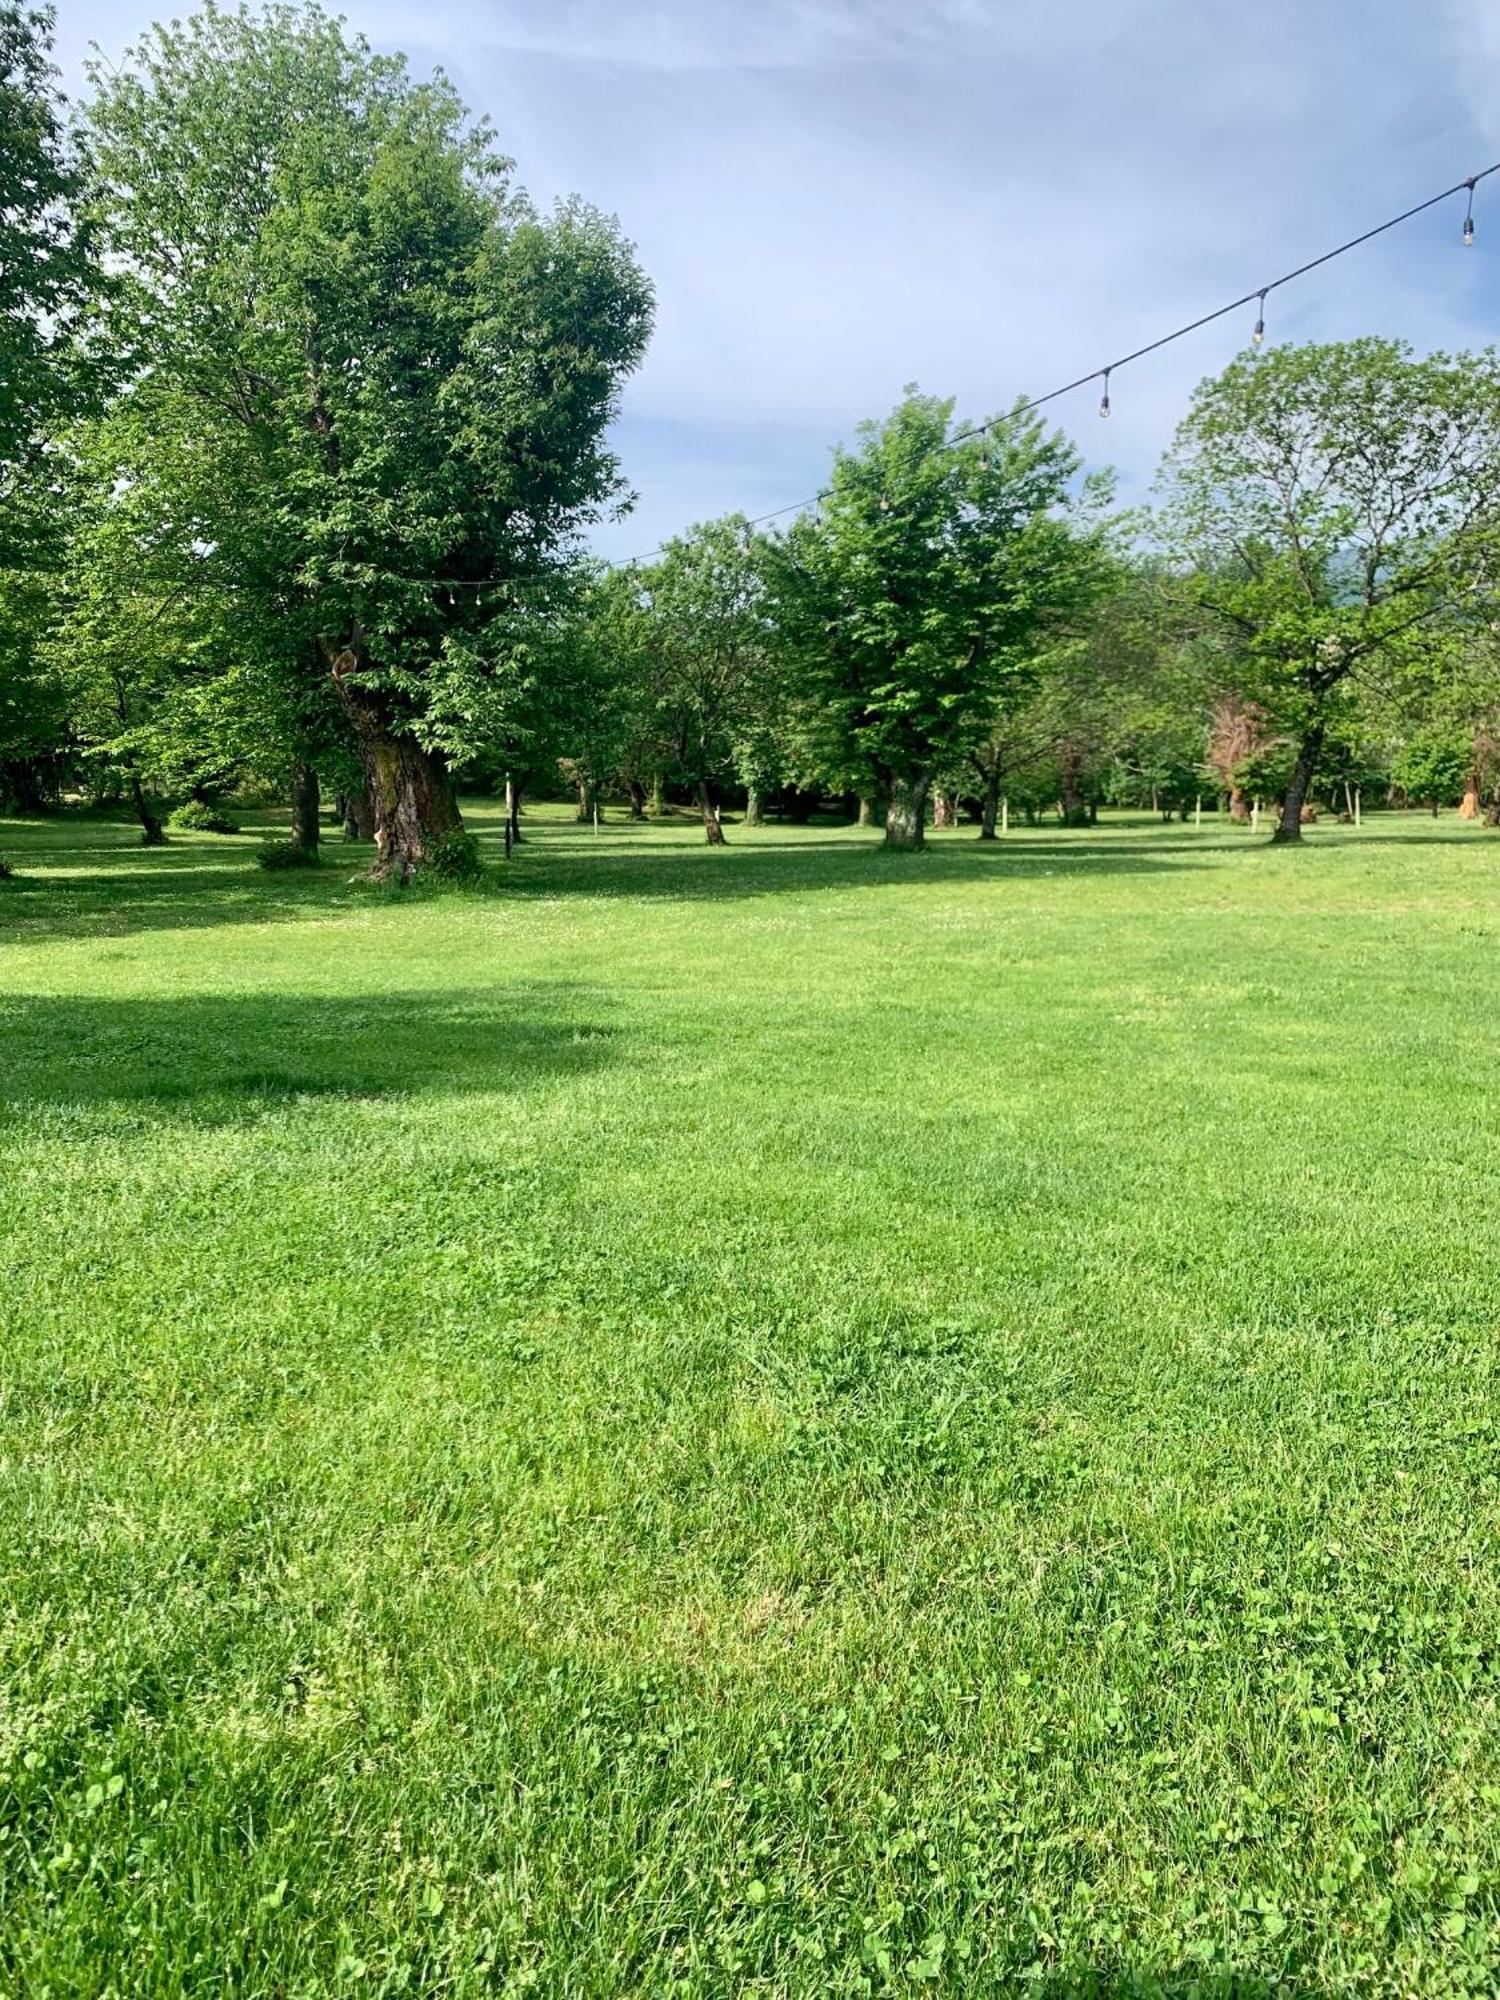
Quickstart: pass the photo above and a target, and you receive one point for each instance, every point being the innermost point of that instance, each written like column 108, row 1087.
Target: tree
column 909, row 604
column 46, row 271
column 1332, row 503
column 386, row 378
column 702, row 641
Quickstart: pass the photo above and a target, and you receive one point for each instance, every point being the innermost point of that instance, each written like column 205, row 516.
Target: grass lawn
column 782, row 1421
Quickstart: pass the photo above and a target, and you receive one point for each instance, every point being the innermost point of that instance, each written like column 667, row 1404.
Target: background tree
column 396, row 375
column 700, row 640
column 909, row 603
column 1331, row 503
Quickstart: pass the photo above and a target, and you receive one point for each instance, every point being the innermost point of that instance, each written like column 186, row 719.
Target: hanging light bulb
column 1469, row 218
column 1104, row 399
column 1260, row 324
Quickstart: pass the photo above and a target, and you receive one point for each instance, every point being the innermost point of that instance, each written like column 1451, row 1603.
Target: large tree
column 386, row 377
column 911, row 601
column 1333, row 504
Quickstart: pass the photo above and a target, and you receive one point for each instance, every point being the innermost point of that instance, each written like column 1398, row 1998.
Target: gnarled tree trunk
column 753, row 813
column 905, row 811
column 304, row 806
column 1469, row 807
column 410, row 790
column 1289, row 825
column 869, row 812
column 713, row 833
column 637, row 794
column 944, row 809
column 1239, row 807
column 515, row 788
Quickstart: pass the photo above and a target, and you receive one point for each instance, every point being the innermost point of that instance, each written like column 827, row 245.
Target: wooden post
column 1255, row 817
column 1356, row 805
column 1198, row 815
column 1005, row 815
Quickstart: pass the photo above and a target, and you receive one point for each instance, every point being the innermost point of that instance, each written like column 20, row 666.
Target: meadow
column 782, row 1421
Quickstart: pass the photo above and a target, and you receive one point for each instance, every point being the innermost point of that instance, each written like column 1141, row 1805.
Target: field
column 782, row 1421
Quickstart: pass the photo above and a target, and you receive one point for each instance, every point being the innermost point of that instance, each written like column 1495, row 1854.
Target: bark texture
column 304, row 806
column 713, row 833
column 752, row 806
column 944, row 809
column 153, row 834
column 905, row 812
column 1289, row 825
column 410, row 790
column 989, row 809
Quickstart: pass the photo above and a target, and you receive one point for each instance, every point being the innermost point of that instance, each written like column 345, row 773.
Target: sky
column 836, row 198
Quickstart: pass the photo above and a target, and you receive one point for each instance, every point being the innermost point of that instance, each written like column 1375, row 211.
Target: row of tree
column 303, row 421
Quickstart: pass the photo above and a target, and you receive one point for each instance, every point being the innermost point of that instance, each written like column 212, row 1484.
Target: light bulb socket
column 1104, row 399
column 1468, row 232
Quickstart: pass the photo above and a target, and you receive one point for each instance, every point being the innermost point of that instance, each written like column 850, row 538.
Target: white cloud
column 835, row 197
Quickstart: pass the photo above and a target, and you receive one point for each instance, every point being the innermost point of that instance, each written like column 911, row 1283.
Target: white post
column 1005, row 815
column 596, row 815
column 1198, row 815
column 1255, row 817
column 1356, row 805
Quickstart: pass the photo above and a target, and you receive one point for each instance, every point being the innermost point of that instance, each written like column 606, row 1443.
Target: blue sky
column 837, row 197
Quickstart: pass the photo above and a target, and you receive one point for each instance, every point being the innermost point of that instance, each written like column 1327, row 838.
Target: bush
column 455, row 858
column 195, row 817
column 286, row 854
column 7, row 873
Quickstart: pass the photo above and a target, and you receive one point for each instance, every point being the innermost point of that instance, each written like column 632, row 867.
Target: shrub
column 286, row 854
column 455, row 858
column 7, row 873
column 196, row 817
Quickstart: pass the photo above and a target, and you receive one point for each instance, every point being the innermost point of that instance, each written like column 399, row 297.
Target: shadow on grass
column 225, row 1059
column 724, row 874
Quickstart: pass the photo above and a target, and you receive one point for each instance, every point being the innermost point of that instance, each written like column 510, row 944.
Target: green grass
column 782, row 1421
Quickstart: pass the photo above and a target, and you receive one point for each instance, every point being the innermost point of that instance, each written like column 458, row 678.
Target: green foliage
column 46, row 271
column 455, row 858
column 373, row 363
column 827, row 1486
column 7, row 873
column 914, row 604
column 277, row 855
column 194, row 816
column 1433, row 767
column 1333, row 506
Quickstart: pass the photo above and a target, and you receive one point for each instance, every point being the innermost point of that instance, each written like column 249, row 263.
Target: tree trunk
column 1469, row 809
column 1239, row 806
column 905, row 811
column 1289, row 826
column 20, row 776
column 410, row 791
column 514, row 787
column 358, row 815
column 869, row 812
column 989, row 812
column 713, row 833
column 658, row 805
column 152, row 831
column 304, row 806
column 1073, row 806
column 944, row 809
column 637, row 793
column 752, row 806
column 1492, row 817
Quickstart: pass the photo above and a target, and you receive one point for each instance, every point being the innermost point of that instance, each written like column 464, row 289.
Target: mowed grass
column 783, row 1421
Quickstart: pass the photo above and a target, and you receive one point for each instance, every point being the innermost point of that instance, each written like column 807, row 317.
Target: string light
column 1104, row 399
column 1469, row 215
column 1260, row 324
column 1178, row 333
